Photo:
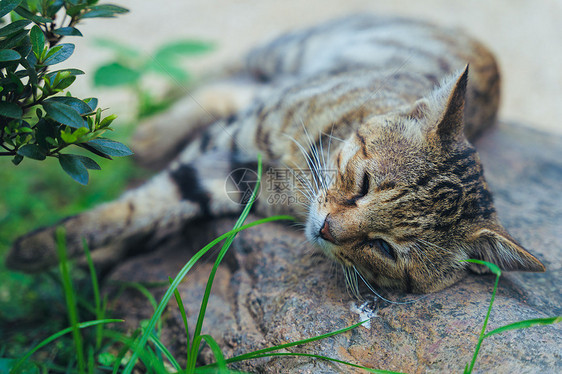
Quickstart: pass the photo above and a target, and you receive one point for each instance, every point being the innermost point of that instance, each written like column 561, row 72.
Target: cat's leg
column 162, row 137
column 139, row 218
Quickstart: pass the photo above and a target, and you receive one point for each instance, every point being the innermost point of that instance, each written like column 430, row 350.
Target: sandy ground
column 526, row 36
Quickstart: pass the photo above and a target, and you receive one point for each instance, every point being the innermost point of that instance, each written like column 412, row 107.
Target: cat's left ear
column 499, row 248
column 444, row 109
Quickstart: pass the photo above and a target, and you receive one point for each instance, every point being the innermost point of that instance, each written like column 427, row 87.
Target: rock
column 273, row 289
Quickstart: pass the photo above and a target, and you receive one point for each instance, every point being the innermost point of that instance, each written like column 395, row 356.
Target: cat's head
column 409, row 201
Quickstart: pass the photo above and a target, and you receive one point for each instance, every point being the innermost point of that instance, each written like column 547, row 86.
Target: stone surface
column 273, row 289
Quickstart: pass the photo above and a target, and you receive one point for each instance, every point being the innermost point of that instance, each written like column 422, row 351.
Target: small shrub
column 37, row 122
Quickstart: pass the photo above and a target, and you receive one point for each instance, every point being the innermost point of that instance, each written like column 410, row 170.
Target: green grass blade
column 91, row 359
column 183, row 272
column 281, row 354
column 146, row 293
column 57, row 335
column 496, row 271
column 70, row 298
column 250, row 355
column 143, row 290
column 146, row 355
column 99, row 311
column 162, row 348
column 221, row 363
column 193, row 355
column 525, row 324
column 127, row 343
column 179, row 301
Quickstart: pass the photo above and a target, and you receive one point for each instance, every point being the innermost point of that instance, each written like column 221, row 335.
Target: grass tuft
column 517, row 325
column 70, row 298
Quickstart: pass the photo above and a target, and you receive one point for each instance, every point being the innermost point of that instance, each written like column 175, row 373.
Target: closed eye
column 383, row 246
column 364, row 190
column 364, row 186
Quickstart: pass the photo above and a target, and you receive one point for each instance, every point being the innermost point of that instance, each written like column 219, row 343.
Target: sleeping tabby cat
column 375, row 111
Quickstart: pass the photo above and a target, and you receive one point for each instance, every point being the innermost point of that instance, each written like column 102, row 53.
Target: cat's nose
column 325, row 232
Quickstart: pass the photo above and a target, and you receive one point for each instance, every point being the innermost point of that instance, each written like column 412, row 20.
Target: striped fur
column 379, row 109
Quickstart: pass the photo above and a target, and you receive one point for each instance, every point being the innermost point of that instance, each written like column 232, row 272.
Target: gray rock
column 274, row 289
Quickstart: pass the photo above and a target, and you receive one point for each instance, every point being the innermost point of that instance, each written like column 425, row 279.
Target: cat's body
column 397, row 193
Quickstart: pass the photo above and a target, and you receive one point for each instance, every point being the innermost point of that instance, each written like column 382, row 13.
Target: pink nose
column 325, row 232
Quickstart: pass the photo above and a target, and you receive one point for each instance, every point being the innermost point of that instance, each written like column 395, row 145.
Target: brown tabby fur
column 386, row 103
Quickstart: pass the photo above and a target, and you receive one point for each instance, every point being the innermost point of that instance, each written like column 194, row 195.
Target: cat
column 372, row 118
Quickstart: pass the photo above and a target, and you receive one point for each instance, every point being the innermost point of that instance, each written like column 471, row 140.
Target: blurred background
column 525, row 35
column 195, row 38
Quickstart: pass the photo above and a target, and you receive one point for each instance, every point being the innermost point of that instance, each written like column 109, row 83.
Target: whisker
column 316, row 158
column 370, row 287
column 334, row 137
column 307, row 158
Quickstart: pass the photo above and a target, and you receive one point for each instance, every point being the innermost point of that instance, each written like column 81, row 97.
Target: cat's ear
column 499, row 248
column 444, row 109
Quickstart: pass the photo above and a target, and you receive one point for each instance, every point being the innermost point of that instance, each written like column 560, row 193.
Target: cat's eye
column 383, row 246
column 364, row 186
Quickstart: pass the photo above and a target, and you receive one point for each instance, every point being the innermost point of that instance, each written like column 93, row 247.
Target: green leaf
column 65, row 83
column 32, row 151
column 14, row 40
column 70, row 71
column 119, row 48
column 92, row 103
column 37, row 41
column 9, row 55
column 168, row 69
column 77, row 104
column 17, row 159
column 27, row 14
column 6, row 6
column 89, row 163
column 67, row 136
column 525, row 324
column 74, row 167
column 67, row 31
column 93, row 150
column 54, row 7
column 105, row 11
column 10, row 110
column 182, row 48
column 61, row 53
column 493, row 267
column 115, row 74
column 110, row 147
column 74, row 7
column 14, row 27
column 107, row 121
column 63, row 113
